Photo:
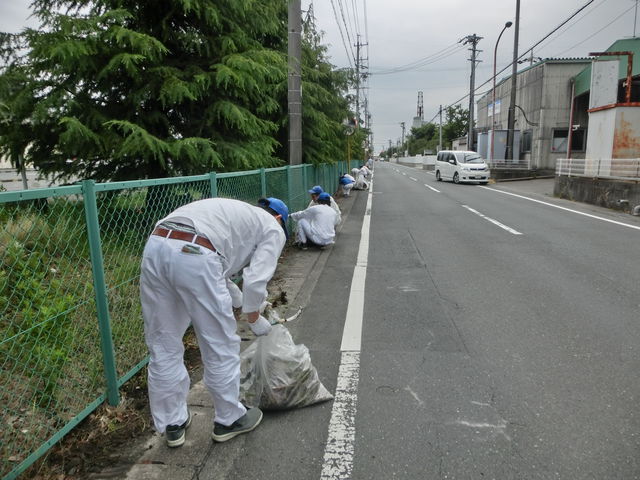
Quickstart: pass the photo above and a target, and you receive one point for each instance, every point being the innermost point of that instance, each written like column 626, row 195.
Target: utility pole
column 440, row 133
column 389, row 147
column 402, row 143
column 511, row 118
column 294, row 94
column 358, row 75
column 473, row 41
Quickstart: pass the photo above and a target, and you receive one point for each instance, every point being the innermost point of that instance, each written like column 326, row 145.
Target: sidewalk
column 150, row 458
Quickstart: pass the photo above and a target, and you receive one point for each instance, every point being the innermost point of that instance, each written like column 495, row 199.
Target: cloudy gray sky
column 400, row 32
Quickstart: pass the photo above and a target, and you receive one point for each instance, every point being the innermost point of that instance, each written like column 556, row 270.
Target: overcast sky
column 400, row 32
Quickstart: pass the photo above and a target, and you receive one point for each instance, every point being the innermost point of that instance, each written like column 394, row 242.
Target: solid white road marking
column 495, row 222
column 564, row 208
column 434, row 189
column 339, row 450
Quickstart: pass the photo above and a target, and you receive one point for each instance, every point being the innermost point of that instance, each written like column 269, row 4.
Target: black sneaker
column 176, row 433
column 244, row 424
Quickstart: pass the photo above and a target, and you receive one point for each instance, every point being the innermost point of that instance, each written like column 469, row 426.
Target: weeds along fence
column 71, row 331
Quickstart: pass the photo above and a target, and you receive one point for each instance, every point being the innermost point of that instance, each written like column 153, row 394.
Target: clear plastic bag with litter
column 277, row 374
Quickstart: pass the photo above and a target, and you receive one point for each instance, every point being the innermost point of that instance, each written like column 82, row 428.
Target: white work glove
column 264, row 306
column 262, row 326
column 236, row 294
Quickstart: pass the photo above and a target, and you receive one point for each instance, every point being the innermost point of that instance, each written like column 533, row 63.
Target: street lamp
column 493, row 100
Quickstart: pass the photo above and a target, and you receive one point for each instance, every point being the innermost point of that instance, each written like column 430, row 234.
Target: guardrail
column 610, row 168
column 71, row 331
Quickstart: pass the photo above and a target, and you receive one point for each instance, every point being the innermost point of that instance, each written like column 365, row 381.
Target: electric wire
column 346, row 27
column 569, row 27
column 526, row 51
column 422, row 62
column 344, row 43
column 596, row 32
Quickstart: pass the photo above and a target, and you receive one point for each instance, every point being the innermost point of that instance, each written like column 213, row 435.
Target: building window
column 525, row 144
column 560, row 140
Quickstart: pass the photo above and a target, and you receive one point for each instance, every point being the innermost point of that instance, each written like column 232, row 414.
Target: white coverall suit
column 178, row 288
column 316, row 223
column 335, row 207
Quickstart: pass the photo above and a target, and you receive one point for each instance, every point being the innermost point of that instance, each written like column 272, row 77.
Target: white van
column 461, row 166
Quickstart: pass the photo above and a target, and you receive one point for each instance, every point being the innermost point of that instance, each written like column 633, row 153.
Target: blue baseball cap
column 279, row 207
column 324, row 198
column 317, row 190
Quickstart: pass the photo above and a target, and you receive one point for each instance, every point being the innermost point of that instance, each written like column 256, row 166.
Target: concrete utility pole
column 440, row 131
column 402, row 142
column 473, row 41
column 511, row 119
column 294, row 96
column 358, row 75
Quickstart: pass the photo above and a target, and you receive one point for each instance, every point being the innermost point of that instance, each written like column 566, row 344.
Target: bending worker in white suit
column 186, row 264
column 317, row 224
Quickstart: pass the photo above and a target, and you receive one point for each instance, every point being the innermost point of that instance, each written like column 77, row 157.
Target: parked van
column 461, row 166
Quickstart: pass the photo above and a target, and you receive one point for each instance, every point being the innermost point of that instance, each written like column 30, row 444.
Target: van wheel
column 456, row 178
column 438, row 177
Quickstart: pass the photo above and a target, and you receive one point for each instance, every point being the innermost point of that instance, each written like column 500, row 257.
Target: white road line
column 434, row 189
column 404, row 174
column 414, row 179
column 495, row 222
column 564, row 208
column 339, row 450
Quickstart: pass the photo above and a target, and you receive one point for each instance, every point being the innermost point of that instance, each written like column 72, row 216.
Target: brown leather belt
column 186, row 236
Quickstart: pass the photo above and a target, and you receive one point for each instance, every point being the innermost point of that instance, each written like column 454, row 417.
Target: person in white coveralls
column 316, row 224
column 186, row 264
column 317, row 190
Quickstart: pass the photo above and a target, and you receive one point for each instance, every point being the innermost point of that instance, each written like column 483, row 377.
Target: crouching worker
column 186, row 264
column 347, row 182
column 316, row 224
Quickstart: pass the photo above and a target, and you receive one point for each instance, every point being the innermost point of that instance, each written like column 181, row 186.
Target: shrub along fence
column 71, row 331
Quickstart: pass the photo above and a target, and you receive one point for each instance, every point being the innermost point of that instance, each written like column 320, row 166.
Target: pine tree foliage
column 123, row 89
column 324, row 101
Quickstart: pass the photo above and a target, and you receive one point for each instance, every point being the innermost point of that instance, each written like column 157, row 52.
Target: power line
column 597, row 32
column 346, row 28
column 528, row 50
column 344, row 43
column 422, row 62
column 569, row 27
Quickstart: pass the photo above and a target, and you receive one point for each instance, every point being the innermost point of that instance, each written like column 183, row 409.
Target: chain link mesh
column 49, row 344
column 51, row 361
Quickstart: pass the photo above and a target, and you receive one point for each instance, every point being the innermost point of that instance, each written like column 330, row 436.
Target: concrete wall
column 605, row 193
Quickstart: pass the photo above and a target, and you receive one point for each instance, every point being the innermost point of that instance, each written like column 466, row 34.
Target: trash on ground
column 277, row 374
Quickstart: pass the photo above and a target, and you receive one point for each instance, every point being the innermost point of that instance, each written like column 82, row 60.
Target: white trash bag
column 276, row 374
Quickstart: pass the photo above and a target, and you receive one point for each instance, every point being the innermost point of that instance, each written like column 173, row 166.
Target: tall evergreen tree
column 324, row 103
column 124, row 89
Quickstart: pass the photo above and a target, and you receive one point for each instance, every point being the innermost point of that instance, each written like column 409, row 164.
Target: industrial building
column 543, row 101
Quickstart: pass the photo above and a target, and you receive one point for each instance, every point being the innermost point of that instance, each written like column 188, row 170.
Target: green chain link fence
column 71, row 330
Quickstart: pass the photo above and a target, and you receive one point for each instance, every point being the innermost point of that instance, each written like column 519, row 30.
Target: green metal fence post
column 305, row 183
column 290, row 189
column 99, row 284
column 214, row 184
column 263, row 183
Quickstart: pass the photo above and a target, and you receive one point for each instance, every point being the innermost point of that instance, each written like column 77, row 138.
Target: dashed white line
column 495, row 222
column 414, row 179
column 564, row 208
column 434, row 189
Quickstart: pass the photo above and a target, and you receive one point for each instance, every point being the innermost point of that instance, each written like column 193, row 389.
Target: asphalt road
column 500, row 339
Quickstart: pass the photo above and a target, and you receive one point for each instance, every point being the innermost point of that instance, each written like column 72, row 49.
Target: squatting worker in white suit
column 186, row 265
column 317, row 190
column 317, row 223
